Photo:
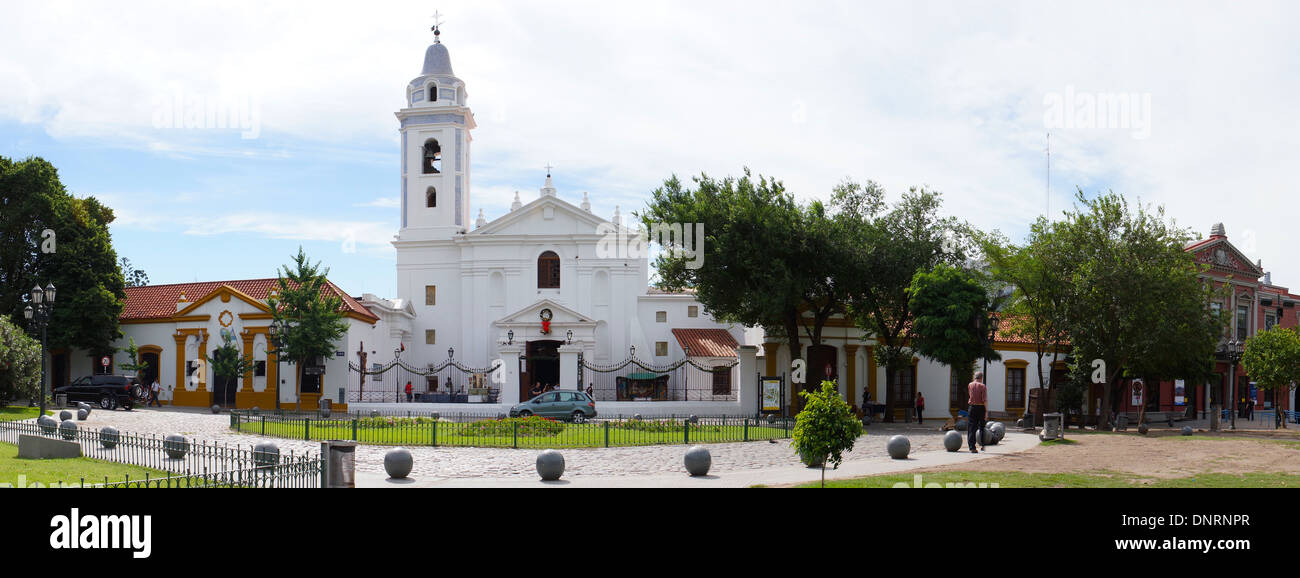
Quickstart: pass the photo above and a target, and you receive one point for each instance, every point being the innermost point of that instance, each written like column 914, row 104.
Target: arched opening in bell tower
column 432, row 157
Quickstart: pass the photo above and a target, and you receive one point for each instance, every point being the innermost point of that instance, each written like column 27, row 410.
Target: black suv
column 108, row 391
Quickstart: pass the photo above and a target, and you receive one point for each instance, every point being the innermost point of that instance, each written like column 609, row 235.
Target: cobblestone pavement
column 462, row 463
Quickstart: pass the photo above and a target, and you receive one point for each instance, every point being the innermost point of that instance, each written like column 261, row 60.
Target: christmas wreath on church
column 546, row 316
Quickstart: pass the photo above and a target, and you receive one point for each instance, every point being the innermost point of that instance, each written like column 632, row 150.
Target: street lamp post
column 39, row 314
column 1236, row 349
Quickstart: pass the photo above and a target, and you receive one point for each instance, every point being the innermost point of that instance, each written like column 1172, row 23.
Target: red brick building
column 1254, row 303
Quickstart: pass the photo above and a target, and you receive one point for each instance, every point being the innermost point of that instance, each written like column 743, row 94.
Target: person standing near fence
column 979, row 399
column 920, row 407
column 409, row 397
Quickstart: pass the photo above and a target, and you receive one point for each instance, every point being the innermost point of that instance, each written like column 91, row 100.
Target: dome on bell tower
column 437, row 60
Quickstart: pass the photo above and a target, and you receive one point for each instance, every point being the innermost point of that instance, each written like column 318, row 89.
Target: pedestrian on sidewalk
column 920, row 407
column 979, row 399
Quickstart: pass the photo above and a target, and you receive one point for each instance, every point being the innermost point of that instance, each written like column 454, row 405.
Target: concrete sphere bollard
column 1143, row 429
column 216, row 409
column 48, row 424
column 1187, row 430
column 899, row 447
column 550, row 465
column 85, row 406
column 109, row 436
column 176, row 446
column 961, row 425
column 999, row 431
column 952, row 441
column 990, row 437
column 698, row 461
column 68, row 429
column 398, row 463
column 82, row 414
column 254, row 410
column 636, row 417
column 1020, row 423
column 435, row 416
column 65, row 415
column 374, row 413
column 771, row 419
column 325, row 412
column 266, row 454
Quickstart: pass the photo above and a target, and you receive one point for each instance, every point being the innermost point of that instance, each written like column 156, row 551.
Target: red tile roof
column 707, row 342
column 159, row 301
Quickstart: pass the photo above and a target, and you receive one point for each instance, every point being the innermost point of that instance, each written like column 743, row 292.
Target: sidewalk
column 1013, row 443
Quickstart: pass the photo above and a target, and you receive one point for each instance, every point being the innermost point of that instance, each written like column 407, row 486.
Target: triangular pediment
column 1221, row 255
column 560, row 314
column 546, row 215
column 225, row 293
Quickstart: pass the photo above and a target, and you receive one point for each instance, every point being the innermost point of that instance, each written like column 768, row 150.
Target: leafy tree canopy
column 78, row 258
column 307, row 319
column 950, row 310
column 826, row 428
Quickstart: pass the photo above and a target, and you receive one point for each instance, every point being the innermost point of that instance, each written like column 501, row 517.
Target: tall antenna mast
column 1049, row 176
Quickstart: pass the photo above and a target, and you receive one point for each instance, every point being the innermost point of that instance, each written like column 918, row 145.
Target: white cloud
column 621, row 95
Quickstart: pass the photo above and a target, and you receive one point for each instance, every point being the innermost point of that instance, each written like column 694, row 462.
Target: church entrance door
column 541, row 367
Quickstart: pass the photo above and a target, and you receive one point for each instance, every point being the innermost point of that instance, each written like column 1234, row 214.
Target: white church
column 490, row 312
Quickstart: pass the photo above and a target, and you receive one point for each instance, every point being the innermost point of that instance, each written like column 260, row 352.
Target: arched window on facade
column 432, row 157
column 431, row 198
column 548, row 271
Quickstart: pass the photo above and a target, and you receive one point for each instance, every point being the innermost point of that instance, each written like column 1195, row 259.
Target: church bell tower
column 435, row 128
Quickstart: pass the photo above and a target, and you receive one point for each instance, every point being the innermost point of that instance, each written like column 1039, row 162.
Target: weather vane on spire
column 437, row 24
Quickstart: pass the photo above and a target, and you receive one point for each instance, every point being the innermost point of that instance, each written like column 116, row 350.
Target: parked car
column 575, row 405
column 107, row 391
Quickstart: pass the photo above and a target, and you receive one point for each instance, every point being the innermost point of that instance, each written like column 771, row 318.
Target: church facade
column 539, row 291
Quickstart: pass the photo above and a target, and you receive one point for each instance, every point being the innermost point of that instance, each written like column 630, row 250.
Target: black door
column 150, row 373
column 223, row 391
column 542, row 368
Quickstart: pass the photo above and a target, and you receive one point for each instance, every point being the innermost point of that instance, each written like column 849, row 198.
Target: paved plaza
column 734, row 464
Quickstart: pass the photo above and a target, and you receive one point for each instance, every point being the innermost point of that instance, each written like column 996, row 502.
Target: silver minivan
column 575, row 405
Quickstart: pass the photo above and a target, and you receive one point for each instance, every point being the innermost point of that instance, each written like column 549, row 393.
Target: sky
column 1186, row 105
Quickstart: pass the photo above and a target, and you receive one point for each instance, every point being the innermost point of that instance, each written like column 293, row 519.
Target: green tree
column 228, row 363
column 1135, row 302
column 825, row 429
column 949, row 308
column 1071, row 393
column 890, row 245
column 134, row 277
column 20, row 363
column 49, row 236
column 307, row 318
column 1272, row 358
column 768, row 261
column 1041, row 289
column 133, row 362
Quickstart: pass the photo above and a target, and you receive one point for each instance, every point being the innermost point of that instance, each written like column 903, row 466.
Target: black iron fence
column 467, row 430
column 194, row 463
column 635, row 380
column 447, row 382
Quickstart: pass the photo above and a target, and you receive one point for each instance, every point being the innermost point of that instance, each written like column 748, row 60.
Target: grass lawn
column 1088, row 480
column 72, row 470
column 16, row 413
column 588, row 435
